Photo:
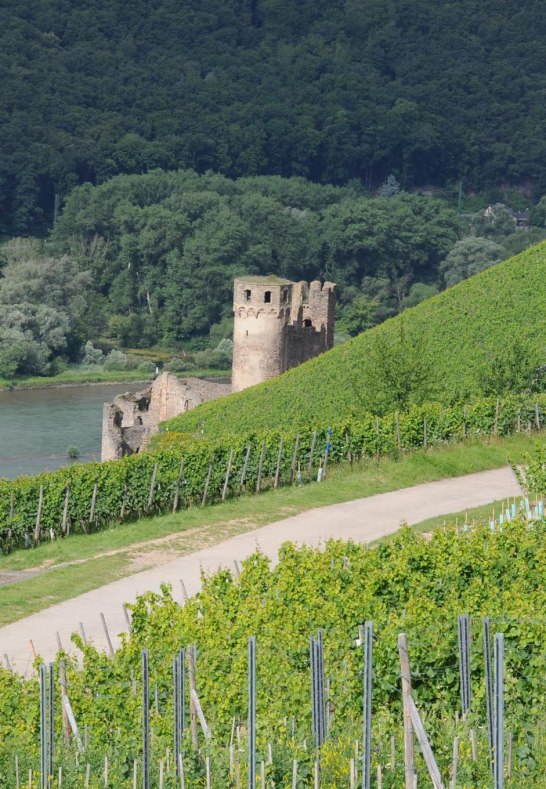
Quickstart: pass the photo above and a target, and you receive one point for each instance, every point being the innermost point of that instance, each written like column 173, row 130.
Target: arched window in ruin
column 267, row 297
column 308, row 323
column 248, row 294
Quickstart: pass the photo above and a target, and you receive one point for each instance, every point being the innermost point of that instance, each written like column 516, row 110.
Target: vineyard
column 483, row 336
column 188, row 472
column 260, row 679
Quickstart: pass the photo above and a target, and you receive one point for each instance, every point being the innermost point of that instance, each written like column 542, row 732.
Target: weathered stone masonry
column 130, row 421
column 278, row 324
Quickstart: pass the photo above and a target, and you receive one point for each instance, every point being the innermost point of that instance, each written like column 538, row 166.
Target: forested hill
column 330, row 89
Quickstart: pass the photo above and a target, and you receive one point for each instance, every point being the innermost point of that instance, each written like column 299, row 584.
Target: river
column 38, row 425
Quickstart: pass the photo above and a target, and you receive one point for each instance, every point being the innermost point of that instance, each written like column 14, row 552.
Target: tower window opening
column 308, row 323
column 285, row 296
column 248, row 294
column 267, row 297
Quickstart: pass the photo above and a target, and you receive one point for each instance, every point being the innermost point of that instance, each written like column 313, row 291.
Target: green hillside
column 486, row 335
column 332, row 90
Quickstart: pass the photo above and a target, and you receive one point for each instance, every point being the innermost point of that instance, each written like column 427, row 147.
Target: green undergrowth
column 192, row 529
column 482, row 332
column 409, row 584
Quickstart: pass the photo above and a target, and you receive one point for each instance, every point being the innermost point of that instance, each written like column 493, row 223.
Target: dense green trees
column 44, row 305
column 469, row 256
column 149, row 259
column 428, row 93
column 162, row 249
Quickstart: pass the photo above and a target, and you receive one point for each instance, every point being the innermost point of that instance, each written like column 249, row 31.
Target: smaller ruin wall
column 130, row 421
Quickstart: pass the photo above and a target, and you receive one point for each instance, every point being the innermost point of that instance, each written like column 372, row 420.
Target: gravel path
column 362, row 520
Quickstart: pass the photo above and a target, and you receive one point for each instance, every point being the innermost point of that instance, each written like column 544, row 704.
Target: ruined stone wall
column 262, row 310
column 130, row 421
column 278, row 324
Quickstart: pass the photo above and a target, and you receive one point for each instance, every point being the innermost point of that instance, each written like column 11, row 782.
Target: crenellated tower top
column 278, row 324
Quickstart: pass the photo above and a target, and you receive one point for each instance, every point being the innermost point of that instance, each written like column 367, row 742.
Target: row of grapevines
column 82, row 498
column 409, row 584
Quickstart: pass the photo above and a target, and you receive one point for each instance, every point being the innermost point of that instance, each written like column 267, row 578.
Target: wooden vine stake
column 409, row 755
column 393, row 754
column 260, row 468
column 295, row 774
column 39, row 516
column 279, row 460
column 193, row 709
column 93, row 504
column 426, row 750
column 454, row 763
column 207, row 483
column 65, row 526
column 311, row 454
column 294, row 459
column 11, row 513
column 63, row 684
column 181, row 771
column 123, row 504
column 242, row 481
column 228, row 473
column 152, row 487
column 497, row 412
column 179, row 482
column 473, row 745
column 107, row 635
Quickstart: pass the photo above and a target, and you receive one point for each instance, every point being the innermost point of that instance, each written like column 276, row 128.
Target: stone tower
column 278, row 324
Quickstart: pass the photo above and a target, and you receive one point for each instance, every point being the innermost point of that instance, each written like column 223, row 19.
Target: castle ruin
column 278, row 324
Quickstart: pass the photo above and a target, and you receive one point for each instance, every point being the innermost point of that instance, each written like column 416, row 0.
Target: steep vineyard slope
column 486, row 335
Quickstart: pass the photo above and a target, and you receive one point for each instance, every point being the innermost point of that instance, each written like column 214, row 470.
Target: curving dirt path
column 362, row 520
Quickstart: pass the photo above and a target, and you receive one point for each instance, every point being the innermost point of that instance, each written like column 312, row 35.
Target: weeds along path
column 362, row 520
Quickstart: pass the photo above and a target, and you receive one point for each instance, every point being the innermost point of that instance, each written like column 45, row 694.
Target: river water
column 38, row 425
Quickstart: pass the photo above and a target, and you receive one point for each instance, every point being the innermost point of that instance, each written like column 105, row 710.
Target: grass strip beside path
column 90, row 561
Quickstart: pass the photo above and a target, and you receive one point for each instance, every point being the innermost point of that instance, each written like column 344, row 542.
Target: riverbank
column 70, row 379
